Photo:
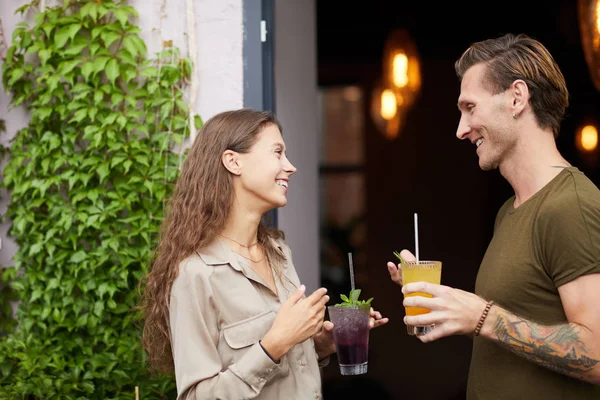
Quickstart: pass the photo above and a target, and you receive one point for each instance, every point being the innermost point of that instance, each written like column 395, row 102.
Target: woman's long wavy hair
column 196, row 213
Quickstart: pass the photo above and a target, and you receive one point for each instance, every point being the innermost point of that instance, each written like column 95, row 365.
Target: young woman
column 223, row 304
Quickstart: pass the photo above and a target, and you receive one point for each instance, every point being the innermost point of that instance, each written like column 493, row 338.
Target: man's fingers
column 420, row 301
column 407, row 255
column 395, row 273
column 435, row 334
column 421, row 320
column 425, row 287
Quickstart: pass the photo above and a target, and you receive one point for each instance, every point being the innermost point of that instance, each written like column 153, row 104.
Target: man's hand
column 453, row 311
column 396, row 270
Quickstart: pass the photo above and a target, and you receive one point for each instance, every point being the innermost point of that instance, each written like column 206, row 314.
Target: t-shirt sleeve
column 569, row 237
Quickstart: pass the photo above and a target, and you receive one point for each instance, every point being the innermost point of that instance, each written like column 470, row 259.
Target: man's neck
column 532, row 165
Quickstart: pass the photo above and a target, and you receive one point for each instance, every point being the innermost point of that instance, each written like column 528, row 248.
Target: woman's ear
column 230, row 160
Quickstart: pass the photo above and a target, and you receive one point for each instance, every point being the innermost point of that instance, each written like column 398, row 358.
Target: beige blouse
column 219, row 310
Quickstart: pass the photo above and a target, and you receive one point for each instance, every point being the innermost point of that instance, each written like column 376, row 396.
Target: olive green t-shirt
column 549, row 240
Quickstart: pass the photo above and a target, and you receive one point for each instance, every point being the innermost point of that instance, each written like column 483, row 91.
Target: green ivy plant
column 7, row 322
column 88, row 178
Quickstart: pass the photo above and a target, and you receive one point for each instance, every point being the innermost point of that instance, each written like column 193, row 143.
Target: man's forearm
column 566, row 349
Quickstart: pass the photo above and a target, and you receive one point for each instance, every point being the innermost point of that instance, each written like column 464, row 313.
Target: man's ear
column 230, row 160
column 520, row 96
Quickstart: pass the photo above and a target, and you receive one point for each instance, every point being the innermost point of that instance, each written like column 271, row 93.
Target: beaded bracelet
column 483, row 316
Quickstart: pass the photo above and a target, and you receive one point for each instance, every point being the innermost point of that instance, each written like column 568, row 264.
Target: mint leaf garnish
column 404, row 264
column 353, row 301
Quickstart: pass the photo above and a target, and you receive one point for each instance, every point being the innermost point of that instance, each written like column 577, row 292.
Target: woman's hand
column 297, row 320
column 324, row 343
column 376, row 320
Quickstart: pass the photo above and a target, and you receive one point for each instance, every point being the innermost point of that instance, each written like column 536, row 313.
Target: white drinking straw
column 351, row 271
column 417, row 237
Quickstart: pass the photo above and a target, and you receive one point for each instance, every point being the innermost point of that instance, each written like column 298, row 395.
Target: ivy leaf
column 130, row 46
column 94, row 11
column 140, row 45
column 15, row 75
column 99, row 63
column 121, row 15
column 78, row 257
column 112, row 70
column 23, row 8
column 75, row 49
column 103, row 171
column 44, row 55
column 108, row 37
column 86, row 70
column 64, row 34
column 61, row 37
column 35, row 248
column 37, row 293
column 73, row 29
column 65, row 67
column 129, row 74
column 116, row 98
column 98, row 96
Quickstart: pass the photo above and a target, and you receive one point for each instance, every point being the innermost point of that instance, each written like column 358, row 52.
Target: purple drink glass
column 351, row 336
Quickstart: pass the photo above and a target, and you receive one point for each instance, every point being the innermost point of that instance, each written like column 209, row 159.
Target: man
column 535, row 317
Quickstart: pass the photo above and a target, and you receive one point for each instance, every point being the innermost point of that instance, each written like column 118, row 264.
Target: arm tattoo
column 558, row 348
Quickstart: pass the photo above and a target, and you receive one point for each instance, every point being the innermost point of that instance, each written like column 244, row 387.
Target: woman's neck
column 242, row 226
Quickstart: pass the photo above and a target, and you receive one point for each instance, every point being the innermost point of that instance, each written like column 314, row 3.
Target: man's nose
column 463, row 129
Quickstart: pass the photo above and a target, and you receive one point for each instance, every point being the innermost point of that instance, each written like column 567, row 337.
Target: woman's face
column 265, row 170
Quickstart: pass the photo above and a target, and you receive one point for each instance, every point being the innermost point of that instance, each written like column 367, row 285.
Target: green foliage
column 352, row 300
column 7, row 322
column 88, row 177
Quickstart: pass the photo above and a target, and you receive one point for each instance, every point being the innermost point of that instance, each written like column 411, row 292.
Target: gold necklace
column 243, row 245
column 250, row 259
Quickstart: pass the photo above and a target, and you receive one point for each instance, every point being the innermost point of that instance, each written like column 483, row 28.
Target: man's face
column 485, row 119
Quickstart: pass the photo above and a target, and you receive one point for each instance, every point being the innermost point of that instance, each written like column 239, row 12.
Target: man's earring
column 515, row 115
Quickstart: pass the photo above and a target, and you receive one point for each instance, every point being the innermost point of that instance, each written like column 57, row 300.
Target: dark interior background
column 427, row 170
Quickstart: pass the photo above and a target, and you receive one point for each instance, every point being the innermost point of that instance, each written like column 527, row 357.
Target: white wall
column 296, row 108
column 219, row 65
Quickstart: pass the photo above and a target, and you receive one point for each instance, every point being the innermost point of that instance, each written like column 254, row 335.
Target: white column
column 296, row 108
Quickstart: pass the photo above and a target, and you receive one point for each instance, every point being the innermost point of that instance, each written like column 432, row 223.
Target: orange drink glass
column 424, row 271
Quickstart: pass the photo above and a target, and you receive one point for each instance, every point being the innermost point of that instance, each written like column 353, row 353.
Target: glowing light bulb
column 400, row 69
column 598, row 16
column 388, row 104
column 589, row 138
